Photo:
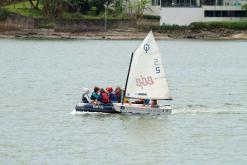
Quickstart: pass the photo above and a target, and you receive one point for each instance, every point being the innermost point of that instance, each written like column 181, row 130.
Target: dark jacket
column 113, row 97
column 94, row 96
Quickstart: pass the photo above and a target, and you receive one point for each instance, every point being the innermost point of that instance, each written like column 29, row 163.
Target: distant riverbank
column 18, row 26
column 19, row 20
column 126, row 34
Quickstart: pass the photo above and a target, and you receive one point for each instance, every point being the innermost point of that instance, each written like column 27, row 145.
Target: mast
column 126, row 83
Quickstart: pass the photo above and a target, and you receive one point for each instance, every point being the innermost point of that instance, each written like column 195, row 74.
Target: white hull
column 140, row 109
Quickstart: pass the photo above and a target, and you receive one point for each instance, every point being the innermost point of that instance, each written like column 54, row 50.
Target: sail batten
column 147, row 77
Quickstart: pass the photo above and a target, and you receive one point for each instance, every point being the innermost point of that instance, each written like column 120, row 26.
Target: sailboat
column 146, row 80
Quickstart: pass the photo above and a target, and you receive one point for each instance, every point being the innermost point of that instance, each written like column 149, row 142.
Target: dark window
column 166, row 3
column 178, row 3
column 155, row 2
column 225, row 13
column 212, row 2
column 209, row 2
column 220, row 2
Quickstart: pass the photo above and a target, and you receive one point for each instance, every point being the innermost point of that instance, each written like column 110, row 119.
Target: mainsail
column 146, row 76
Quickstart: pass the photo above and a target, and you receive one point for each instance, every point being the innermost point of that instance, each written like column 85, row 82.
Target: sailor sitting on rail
column 142, row 101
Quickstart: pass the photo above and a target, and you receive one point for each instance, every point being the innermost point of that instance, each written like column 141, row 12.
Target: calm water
column 41, row 81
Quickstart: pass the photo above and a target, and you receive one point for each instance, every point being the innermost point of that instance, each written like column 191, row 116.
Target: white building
column 183, row 12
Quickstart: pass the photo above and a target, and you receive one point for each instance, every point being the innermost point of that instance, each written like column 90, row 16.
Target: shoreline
column 124, row 34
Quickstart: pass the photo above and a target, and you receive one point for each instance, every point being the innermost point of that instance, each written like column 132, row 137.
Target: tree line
column 54, row 8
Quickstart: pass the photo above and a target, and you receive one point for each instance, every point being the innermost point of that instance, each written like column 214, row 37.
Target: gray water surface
column 41, row 81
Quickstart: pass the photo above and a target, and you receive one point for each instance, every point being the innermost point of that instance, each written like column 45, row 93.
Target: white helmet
column 85, row 91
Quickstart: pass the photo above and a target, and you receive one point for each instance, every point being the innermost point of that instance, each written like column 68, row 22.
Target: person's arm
column 88, row 99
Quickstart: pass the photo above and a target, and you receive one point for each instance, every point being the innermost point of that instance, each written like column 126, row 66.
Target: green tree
column 244, row 6
column 119, row 5
column 52, row 8
column 34, row 5
column 141, row 6
column 99, row 4
column 78, row 6
column 3, row 14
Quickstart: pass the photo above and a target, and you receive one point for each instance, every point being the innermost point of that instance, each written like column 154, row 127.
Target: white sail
column 147, row 77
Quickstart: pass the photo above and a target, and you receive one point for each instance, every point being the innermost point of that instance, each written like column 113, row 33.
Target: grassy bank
column 24, row 9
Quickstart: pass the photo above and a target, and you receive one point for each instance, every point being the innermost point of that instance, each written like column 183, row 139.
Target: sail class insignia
column 146, row 48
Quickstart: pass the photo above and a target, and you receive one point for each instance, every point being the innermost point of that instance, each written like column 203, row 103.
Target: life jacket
column 126, row 100
column 105, row 98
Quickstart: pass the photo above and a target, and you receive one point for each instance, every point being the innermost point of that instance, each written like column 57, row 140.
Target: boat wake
column 197, row 109
column 74, row 112
column 227, row 108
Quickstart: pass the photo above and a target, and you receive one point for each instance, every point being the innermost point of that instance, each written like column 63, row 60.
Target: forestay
column 147, row 77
